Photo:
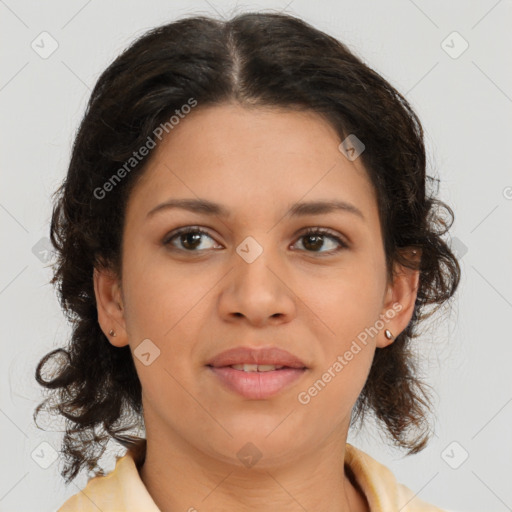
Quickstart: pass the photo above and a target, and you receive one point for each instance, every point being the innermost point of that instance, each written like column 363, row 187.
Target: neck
column 178, row 477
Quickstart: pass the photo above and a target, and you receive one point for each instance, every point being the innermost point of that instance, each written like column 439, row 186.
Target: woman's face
column 254, row 279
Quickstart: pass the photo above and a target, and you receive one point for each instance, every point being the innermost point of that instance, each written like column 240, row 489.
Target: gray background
column 465, row 104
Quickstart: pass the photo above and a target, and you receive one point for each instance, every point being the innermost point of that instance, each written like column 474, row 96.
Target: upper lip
column 260, row 356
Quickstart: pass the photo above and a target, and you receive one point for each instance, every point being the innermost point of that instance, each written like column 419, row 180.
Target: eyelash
column 309, row 232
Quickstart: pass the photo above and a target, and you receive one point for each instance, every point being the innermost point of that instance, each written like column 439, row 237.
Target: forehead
column 252, row 158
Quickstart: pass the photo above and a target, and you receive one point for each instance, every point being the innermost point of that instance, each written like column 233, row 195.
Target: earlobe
column 399, row 303
column 110, row 306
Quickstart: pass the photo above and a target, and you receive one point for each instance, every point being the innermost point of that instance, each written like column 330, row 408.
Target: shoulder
column 121, row 490
column 380, row 486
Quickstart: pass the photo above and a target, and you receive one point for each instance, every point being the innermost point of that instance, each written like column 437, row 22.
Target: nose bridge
column 257, row 256
column 256, row 287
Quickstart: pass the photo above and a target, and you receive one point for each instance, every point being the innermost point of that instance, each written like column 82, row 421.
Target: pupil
column 187, row 240
column 317, row 241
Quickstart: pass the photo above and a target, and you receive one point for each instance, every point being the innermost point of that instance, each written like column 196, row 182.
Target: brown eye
column 315, row 240
column 189, row 239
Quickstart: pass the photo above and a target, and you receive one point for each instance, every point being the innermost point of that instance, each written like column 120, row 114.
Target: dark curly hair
column 258, row 60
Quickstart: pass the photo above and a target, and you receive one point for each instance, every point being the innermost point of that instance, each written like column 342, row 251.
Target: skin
column 192, row 305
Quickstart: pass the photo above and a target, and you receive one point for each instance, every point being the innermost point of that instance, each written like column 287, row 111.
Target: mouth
column 256, row 374
column 246, row 367
column 256, row 382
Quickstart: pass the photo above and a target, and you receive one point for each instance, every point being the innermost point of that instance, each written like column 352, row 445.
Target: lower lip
column 257, row 385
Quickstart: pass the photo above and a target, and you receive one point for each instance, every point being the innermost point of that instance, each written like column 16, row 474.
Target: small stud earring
column 112, row 332
column 388, row 334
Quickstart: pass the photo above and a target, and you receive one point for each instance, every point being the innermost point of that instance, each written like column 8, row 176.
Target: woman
column 247, row 246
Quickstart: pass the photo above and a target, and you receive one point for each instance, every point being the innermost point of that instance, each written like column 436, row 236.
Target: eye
column 314, row 238
column 189, row 238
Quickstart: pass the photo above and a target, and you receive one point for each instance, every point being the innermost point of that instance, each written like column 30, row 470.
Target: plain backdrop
column 451, row 60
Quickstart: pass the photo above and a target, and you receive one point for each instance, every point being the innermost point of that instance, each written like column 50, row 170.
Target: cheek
column 160, row 295
column 333, row 390
column 347, row 347
column 163, row 305
column 347, row 306
column 344, row 303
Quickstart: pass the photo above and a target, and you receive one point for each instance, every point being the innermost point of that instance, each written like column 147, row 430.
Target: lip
column 257, row 385
column 260, row 356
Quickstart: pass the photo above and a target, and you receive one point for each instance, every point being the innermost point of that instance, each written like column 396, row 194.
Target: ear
column 399, row 299
column 109, row 303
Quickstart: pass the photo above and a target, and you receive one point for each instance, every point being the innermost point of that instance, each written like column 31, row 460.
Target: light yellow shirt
column 122, row 490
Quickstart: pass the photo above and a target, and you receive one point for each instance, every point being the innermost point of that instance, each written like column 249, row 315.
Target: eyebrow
column 205, row 207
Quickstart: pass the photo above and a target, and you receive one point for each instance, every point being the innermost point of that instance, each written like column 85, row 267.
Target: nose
column 261, row 292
